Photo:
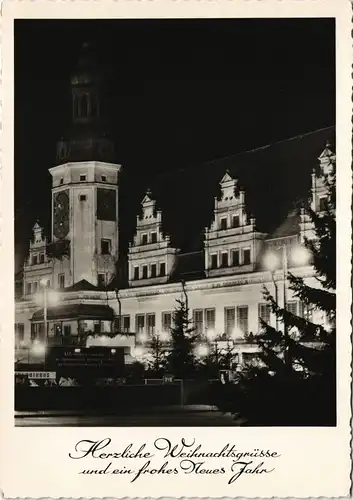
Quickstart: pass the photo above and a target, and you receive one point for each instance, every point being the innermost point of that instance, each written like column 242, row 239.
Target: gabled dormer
column 151, row 257
column 37, row 267
column 319, row 190
column 232, row 242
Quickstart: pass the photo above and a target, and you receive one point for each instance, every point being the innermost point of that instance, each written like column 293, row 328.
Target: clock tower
column 85, row 189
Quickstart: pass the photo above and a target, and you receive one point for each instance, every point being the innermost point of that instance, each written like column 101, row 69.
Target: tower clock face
column 61, row 214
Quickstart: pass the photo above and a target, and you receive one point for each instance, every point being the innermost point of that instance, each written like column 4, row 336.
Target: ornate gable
column 151, row 258
column 327, row 159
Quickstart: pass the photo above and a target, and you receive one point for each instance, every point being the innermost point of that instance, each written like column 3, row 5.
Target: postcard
column 176, row 297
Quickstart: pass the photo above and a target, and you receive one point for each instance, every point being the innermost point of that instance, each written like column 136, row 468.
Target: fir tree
column 181, row 358
column 157, row 352
column 297, row 379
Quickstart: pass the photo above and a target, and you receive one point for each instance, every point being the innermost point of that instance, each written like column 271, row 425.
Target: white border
column 314, row 461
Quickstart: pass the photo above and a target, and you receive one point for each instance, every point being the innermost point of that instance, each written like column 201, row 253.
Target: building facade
column 71, row 292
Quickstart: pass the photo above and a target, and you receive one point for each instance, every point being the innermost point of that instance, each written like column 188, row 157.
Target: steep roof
column 275, row 177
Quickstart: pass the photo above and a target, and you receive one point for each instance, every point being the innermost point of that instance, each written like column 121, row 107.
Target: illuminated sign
column 38, row 375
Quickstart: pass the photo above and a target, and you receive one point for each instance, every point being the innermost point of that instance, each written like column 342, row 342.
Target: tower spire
column 86, row 139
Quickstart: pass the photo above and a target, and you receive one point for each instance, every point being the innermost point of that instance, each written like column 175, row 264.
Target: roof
column 82, row 285
column 189, row 266
column 274, row 177
column 76, row 311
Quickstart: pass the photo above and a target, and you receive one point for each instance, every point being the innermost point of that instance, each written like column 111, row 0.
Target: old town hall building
column 201, row 236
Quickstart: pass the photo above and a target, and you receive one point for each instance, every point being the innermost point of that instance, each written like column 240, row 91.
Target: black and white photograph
column 175, row 227
column 175, row 249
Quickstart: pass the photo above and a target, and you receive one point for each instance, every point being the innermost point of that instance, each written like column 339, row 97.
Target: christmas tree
column 296, row 378
column 157, row 356
column 181, row 358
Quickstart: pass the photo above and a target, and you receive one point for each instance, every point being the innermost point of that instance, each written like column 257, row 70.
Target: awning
column 76, row 311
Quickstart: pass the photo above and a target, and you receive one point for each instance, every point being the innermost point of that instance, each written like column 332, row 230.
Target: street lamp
column 38, row 348
column 299, row 256
column 45, row 307
column 202, row 350
column 212, row 338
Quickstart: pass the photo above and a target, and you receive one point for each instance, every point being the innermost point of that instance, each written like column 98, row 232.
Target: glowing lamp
column 211, row 335
column 300, row 256
column 271, row 261
column 202, row 350
column 164, row 336
column 38, row 349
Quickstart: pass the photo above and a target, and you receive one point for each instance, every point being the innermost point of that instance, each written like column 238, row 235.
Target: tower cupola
column 86, row 138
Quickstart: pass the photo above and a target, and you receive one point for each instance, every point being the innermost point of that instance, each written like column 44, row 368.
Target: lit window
column 67, row 330
column 246, row 257
column 126, row 324
column 166, row 321
column 210, row 319
column 61, row 280
column 292, row 307
column 224, row 259
column 214, row 261
column 235, row 221
column 235, row 258
column 306, row 311
column 323, row 204
column 105, row 247
column 162, row 269
column 242, row 317
column 229, row 320
column 151, row 323
column 198, row 321
column 264, row 313
column 140, row 323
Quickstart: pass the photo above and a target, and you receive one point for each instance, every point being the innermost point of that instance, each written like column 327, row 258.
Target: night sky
column 177, row 93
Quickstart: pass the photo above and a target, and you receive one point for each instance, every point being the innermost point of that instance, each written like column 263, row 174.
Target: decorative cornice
column 217, row 283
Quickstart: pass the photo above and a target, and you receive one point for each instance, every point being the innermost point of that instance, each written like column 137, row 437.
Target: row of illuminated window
column 234, row 257
column 235, row 318
column 149, row 271
column 34, row 286
column 226, row 222
column 83, row 178
column 37, row 258
column 150, row 237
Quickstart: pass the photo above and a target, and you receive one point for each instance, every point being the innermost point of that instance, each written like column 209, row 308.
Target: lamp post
column 183, row 285
column 45, row 308
column 299, row 256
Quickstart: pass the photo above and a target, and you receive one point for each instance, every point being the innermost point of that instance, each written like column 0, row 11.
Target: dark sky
column 178, row 92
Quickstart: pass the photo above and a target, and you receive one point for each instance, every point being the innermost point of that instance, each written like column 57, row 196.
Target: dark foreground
column 173, row 416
